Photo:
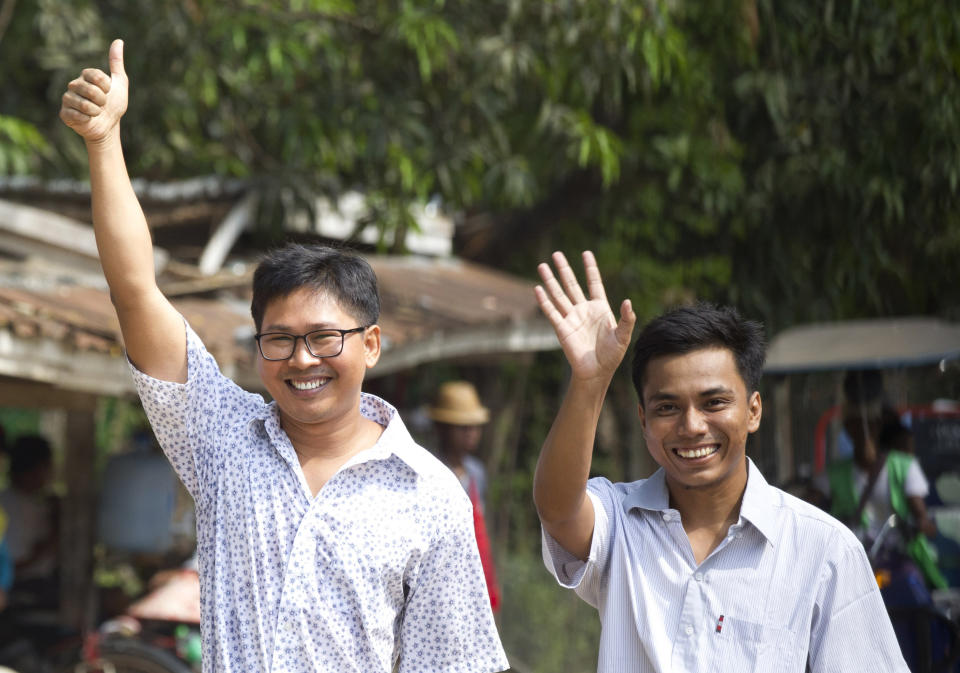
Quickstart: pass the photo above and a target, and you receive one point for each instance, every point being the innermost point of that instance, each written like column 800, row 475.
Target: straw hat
column 457, row 403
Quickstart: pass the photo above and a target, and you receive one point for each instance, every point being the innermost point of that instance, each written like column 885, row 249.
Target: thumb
column 116, row 59
column 627, row 320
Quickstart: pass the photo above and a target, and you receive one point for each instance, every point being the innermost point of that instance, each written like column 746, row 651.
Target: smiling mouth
column 697, row 451
column 308, row 384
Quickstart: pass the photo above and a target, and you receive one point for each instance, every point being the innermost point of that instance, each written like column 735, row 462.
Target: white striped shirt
column 789, row 586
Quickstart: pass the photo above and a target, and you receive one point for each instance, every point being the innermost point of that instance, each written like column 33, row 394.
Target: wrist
column 597, row 384
column 107, row 143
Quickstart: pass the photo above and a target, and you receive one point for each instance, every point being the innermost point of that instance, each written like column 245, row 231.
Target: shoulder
column 474, row 466
column 619, row 497
column 605, row 489
column 435, row 480
column 810, row 523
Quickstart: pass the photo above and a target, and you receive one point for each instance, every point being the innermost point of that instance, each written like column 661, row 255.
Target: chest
column 746, row 606
column 267, row 510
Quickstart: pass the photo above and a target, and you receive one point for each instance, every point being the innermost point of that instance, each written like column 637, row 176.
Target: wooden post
column 78, row 598
column 784, row 429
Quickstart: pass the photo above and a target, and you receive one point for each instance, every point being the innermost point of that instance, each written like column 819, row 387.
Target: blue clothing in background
column 6, row 567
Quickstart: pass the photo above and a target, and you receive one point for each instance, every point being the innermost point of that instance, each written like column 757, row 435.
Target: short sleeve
column 448, row 625
column 570, row 572
column 916, row 484
column 849, row 609
column 190, row 418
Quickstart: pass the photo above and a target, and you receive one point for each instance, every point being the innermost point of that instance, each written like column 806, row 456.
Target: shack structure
column 61, row 349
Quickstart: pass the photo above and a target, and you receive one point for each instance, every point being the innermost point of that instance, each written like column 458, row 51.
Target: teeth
column 696, row 453
column 308, row 385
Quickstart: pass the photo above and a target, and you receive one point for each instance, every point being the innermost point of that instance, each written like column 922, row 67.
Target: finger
column 96, row 77
column 71, row 117
column 592, row 273
column 627, row 320
column 72, row 101
column 116, row 59
column 89, row 91
column 568, row 278
column 556, row 293
column 547, row 308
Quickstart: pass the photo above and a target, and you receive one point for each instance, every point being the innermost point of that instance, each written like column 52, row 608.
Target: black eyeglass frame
column 306, row 344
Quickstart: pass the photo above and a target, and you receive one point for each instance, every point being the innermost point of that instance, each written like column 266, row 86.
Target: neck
column 333, row 439
column 715, row 507
column 450, row 458
column 865, row 455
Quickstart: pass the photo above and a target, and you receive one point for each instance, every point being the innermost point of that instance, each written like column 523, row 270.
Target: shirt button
column 688, row 630
column 668, row 517
column 698, row 577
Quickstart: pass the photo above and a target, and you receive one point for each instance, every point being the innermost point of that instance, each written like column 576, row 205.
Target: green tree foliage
column 852, row 161
column 798, row 159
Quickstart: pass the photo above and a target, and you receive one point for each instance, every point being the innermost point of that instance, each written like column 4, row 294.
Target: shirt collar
column 395, row 439
column 649, row 494
column 757, row 507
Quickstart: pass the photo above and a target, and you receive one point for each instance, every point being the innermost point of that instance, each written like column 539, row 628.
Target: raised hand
column 591, row 337
column 94, row 102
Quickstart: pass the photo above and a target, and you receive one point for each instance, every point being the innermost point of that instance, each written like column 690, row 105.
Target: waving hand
column 591, row 337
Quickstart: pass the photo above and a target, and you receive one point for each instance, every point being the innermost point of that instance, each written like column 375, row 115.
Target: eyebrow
column 273, row 327
column 709, row 392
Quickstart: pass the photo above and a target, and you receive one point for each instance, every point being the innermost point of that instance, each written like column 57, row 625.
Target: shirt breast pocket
column 746, row 646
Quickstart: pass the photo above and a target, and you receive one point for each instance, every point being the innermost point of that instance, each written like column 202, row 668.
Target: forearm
column 123, row 238
column 152, row 329
column 559, row 487
column 921, row 518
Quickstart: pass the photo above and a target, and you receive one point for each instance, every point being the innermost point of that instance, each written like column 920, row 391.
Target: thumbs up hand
column 94, row 102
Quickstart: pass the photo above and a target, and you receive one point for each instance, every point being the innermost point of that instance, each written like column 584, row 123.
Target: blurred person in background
column 458, row 418
column 6, row 560
column 881, row 478
column 32, row 533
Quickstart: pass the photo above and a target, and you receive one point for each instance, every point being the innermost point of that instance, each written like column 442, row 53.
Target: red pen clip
column 719, row 623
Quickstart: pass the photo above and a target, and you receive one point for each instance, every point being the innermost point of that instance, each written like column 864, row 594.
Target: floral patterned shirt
column 379, row 569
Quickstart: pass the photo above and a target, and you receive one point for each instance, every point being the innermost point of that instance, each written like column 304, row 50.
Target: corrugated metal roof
column 432, row 309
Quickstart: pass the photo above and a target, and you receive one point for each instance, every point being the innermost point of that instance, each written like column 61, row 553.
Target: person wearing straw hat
column 459, row 417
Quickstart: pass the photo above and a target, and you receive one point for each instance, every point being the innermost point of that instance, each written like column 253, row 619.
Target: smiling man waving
column 327, row 540
column 703, row 566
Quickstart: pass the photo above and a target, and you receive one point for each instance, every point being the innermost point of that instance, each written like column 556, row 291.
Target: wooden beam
column 31, row 232
column 78, row 599
column 513, row 338
column 20, row 394
column 47, row 361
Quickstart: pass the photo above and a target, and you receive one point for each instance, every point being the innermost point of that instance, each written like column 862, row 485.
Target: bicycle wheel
column 125, row 655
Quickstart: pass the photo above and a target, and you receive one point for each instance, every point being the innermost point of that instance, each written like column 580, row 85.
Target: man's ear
column 371, row 345
column 754, row 411
column 642, row 415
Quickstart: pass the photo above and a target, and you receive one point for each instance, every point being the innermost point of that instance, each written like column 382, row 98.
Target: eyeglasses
column 321, row 343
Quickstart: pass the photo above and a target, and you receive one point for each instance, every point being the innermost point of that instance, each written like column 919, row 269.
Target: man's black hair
column 29, row 452
column 703, row 325
column 347, row 277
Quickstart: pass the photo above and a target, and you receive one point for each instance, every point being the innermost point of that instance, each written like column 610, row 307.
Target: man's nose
column 693, row 422
column 301, row 354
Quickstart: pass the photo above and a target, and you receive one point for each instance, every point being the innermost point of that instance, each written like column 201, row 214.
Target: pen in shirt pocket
column 719, row 624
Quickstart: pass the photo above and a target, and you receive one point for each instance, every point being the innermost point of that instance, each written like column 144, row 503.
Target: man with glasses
column 327, row 539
